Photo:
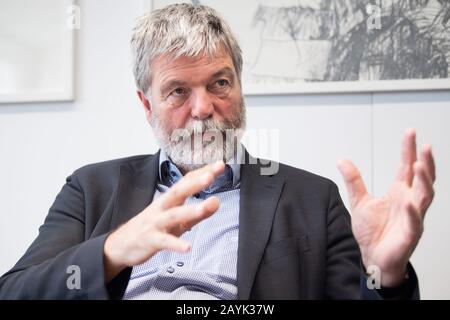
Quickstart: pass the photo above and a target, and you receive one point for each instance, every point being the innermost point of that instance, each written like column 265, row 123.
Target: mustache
column 197, row 127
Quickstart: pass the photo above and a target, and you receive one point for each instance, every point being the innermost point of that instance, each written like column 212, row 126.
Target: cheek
column 176, row 118
column 229, row 108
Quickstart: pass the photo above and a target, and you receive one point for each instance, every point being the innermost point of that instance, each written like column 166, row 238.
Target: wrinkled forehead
column 203, row 62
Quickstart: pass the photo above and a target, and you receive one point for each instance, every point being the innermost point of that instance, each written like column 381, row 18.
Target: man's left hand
column 388, row 229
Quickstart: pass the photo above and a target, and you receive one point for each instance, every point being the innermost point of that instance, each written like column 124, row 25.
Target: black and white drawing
column 340, row 45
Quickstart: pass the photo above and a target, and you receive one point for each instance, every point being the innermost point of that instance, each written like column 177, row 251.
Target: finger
column 414, row 223
column 166, row 241
column 187, row 215
column 422, row 188
column 426, row 156
column 191, row 183
column 408, row 157
column 353, row 181
column 211, row 205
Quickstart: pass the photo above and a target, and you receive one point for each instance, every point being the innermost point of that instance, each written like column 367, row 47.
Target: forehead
column 166, row 67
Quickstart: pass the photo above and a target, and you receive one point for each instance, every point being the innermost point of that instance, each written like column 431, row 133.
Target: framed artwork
column 326, row 46
column 36, row 50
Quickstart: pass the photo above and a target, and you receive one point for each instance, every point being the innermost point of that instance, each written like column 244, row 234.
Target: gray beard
column 201, row 142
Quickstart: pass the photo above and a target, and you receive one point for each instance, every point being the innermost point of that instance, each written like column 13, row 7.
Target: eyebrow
column 227, row 71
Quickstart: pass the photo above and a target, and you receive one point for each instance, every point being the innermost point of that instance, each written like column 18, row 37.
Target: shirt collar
column 169, row 173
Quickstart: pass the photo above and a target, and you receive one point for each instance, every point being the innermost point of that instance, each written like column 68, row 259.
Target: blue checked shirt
column 208, row 270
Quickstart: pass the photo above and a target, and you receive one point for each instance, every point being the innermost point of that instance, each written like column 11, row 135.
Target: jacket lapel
column 137, row 184
column 258, row 202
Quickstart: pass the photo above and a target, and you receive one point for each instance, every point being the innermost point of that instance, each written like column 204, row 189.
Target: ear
column 146, row 104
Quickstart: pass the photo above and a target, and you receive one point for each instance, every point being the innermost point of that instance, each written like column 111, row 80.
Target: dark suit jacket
column 295, row 238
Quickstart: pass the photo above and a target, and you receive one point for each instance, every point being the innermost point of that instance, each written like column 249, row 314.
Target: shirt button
column 170, row 270
column 180, row 264
column 197, row 195
column 173, row 173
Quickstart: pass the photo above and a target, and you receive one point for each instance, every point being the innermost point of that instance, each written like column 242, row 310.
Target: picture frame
column 37, row 50
column 317, row 57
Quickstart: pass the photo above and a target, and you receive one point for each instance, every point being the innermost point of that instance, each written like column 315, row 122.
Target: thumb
column 353, row 181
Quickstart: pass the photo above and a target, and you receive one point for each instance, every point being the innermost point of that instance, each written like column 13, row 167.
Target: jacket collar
column 137, row 184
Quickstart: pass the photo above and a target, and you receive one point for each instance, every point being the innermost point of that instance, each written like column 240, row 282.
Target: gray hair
column 180, row 30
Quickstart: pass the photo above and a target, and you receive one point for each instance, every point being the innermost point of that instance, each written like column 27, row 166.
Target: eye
column 179, row 91
column 220, row 86
column 222, row 83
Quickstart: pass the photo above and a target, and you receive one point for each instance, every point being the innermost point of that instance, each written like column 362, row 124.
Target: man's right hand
column 159, row 226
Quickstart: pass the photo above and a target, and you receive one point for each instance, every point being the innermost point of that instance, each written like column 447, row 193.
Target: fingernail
column 206, row 178
column 218, row 165
column 416, row 165
column 199, row 208
column 341, row 164
column 411, row 130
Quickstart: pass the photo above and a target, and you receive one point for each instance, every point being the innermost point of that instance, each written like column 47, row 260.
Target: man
column 181, row 225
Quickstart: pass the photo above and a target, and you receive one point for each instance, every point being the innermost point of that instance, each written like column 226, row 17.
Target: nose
column 202, row 106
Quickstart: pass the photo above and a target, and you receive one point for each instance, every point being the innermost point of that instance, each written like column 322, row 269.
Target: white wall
column 40, row 144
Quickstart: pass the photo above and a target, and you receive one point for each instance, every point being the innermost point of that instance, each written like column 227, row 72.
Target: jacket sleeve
column 60, row 256
column 346, row 277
